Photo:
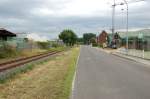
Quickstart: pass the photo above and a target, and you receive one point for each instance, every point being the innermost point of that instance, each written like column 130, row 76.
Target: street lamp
column 127, row 44
column 127, row 23
column 113, row 18
column 121, row 27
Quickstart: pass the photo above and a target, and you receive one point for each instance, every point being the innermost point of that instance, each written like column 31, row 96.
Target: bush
column 100, row 45
column 56, row 45
column 94, row 44
column 43, row 45
column 8, row 51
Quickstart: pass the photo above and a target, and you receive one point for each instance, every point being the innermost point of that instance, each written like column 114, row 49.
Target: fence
column 136, row 47
column 18, row 44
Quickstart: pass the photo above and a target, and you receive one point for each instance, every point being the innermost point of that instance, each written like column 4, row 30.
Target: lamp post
column 121, row 27
column 127, row 20
column 127, row 23
column 113, row 18
column 127, row 27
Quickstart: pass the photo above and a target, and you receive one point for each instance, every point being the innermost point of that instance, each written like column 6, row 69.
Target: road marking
column 75, row 74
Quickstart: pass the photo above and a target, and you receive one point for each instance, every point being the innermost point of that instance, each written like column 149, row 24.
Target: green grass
column 69, row 77
column 58, row 48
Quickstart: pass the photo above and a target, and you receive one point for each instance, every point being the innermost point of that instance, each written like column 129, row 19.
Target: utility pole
column 113, row 22
column 127, row 26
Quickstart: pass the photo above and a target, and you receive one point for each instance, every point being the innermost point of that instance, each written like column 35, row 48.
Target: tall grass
column 8, row 51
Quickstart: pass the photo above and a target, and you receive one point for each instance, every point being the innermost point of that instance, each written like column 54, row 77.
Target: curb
column 132, row 58
column 75, row 76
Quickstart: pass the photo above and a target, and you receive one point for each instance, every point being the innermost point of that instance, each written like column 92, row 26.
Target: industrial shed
column 137, row 39
column 5, row 34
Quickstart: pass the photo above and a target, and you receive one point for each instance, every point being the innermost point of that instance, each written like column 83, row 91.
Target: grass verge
column 50, row 80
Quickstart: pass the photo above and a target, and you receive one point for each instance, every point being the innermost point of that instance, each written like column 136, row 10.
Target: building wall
column 102, row 38
column 140, row 44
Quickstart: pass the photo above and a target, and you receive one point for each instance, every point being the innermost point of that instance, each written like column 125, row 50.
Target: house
column 102, row 39
column 6, row 35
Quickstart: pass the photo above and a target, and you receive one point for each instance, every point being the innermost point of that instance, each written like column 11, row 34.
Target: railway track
column 19, row 62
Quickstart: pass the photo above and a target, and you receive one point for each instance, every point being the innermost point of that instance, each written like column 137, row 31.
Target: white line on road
column 74, row 78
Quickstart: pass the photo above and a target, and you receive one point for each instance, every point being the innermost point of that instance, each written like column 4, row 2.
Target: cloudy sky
column 47, row 18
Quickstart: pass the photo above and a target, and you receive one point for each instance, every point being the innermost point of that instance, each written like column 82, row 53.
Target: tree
column 68, row 37
column 80, row 40
column 88, row 38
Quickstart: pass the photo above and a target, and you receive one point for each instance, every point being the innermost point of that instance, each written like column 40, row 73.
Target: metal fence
column 18, row 44
column 136, row 47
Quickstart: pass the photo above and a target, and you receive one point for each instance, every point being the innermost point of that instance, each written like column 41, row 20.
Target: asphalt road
column 103, row 76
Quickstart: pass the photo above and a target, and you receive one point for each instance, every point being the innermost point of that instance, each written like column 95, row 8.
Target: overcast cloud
column 50, row 17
